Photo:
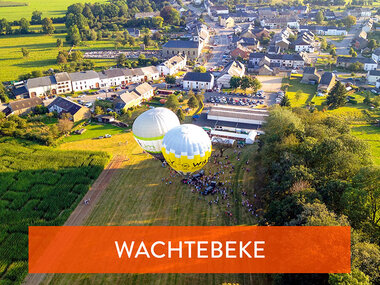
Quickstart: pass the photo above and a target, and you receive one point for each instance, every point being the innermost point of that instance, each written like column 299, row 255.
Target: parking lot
column 238, row 99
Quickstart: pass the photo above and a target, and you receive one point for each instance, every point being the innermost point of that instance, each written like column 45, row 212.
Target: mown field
column 137, row 196
column 93, row 131
column 302, row 98
column 51, row 8
column 38, row 186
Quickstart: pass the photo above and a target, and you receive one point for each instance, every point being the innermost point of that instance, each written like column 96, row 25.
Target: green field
column 371, row 135
column 52, row 8
column 38, row 186
column 136, row 196
column 93, row 131
column 307, row 94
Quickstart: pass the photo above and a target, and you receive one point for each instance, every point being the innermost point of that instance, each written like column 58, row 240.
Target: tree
column 285, row 102
column 157, row 22
column 61, row 58
column 170, row 79
column 323, row 44
column 372, row 44
column 200, row 69
column 333, row 52
column 355, row 277
column 5, row 27
column 121, row 60
column 129, row 114
column 59, row 43
column 25, row 52
column 157, row 36
column 3, row 95
column 47, row 26
column 349, row 21
column 24, row 26
column 65, row 125
column 98, row 110
column 170, row 15
column 337, row 96
column 36, row 18
column 36, row 73
column 256, row 84
column 246, row 82
column 73, row 35
column 356, row 66
column 180, row 115
column 193, row 102
column 76, row 56
column 172, row 102
column 298, row 94
column 320, row 17
column 235, row 82
column 146, row 40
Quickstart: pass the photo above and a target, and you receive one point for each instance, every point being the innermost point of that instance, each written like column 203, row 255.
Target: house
column 64, row 84
column 303, row 44
column 274, row 50
column 234, row 68
column 328, row 80
column 368, row 63
column 276, row 60
column 376, row 55
column 241, row 52
column 63, row 105
column 198, row 80
column 373, row 76
column 324, row 30
column 42, row 86
column 145, row 91
column 283, row 44
column 134, row 75
column 293, row 23
column 105, row 119
column 310, row 76
column 85, row 80
column 250, row 43
column 227, row 21
column 191, row 49
column 172, row 65
column 134, row 32
column 19, row 91
column 22, row 106
column 111, row 77
column 150, row 73
column 360, row 43
column 127, row 100
column 219, row 10
column 144, row 15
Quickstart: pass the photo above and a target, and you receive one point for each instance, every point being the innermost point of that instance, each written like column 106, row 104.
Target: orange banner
column 237, row 249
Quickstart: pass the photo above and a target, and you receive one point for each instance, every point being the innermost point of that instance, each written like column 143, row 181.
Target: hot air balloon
column 150, row 127
column 186, row 148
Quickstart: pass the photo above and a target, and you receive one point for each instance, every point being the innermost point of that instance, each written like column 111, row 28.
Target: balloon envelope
column 150, row 127
column 186, row 148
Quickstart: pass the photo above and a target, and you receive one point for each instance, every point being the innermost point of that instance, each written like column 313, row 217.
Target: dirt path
column 82, row 211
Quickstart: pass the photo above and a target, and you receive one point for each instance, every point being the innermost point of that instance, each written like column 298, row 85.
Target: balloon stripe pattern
column 186, row 148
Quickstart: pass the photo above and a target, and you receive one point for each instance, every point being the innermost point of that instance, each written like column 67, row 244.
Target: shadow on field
column 36, row 63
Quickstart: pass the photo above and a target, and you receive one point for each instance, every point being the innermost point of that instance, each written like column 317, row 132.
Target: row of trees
column 24, row 27
column 310, row 171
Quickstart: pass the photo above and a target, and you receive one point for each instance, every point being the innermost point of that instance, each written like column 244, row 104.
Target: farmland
column 38, row 186
column 131, row 202
column 52, row 8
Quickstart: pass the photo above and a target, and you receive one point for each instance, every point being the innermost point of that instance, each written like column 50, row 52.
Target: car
column 100, row 137
column 107, row 136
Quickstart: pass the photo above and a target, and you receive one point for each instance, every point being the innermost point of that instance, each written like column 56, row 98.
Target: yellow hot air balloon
column 186, row 148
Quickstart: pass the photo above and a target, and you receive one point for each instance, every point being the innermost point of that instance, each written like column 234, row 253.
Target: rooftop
column 198, row 76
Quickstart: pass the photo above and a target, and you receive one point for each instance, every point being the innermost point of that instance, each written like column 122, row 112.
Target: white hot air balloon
column 150, row 127
column 186, row 148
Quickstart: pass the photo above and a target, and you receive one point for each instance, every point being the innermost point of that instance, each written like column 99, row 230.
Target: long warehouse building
column 238, row 115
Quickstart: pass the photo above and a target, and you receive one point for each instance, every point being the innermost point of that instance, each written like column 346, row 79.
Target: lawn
column 39, row 186
column 138, row 197
column 302, row 98
column 371, row 135
column 42, row 56
column 52, row 8
column 94, row 131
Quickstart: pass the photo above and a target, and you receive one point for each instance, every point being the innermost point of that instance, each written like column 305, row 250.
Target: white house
column 234, row 68
column 133, row 75
column 63, row 83
column 198, row 80
column 302, row 44
column 373, row 76
column 85, row 80
column 150, row 73
column 376, row 55
column 42, row 86
column 293, row 24
column 144, row 90
column 111, row 77
column 172, row 65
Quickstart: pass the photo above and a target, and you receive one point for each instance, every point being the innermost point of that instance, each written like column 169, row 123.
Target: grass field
column 93, row 131
column 52, row 8
column 43, row 54
column 302, row 98
column 371, row 135
column 38, row 186
column 138, row 197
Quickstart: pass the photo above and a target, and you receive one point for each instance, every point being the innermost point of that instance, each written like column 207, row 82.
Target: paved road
column 343, row 47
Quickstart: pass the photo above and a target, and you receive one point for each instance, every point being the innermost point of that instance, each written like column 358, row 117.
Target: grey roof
column 83, row 75
column 143, row 88
column 309, row 70
column 276, row 56
column 344, row 59
column 115, row 72
column 24, row 104
column 377, row 51
column 181, row 44
column 62, row 76
column 198, row 76
column 67, row 105
column 41, row 81
column 374, row 72
column 326, row 78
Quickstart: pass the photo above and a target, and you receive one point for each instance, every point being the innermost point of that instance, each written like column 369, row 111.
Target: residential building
column 198, row 80
column 64, row 84
column 276, row 60
column 111, row 77
column 145, row 91
column 310, row 76
column 241, row 52
column 368, row 63
column 373, row 76
column 23, row 106
column 324, row 30
column 234, row 68
column 304, row 43
column 134, row 75
column 127, row 100
column 42, row 86
column 376, row 55
column 191, row 49
column 227, row 21
column 172, row 65
column 150, row 73
column 328, row 80
column 85, row 80
column 62, row 105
